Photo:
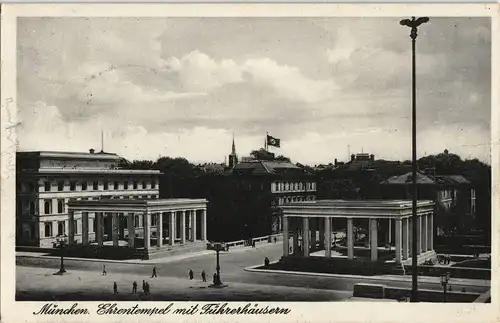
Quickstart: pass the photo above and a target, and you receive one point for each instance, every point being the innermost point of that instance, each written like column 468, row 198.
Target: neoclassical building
column 307, row 230
column 46, row 181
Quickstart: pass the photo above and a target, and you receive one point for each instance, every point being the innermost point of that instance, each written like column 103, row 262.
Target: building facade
column 46, row 182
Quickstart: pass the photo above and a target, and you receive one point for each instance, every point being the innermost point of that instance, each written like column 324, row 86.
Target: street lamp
column 444, row 282
column 218, row 247
column 413, row 23
column 61, row 240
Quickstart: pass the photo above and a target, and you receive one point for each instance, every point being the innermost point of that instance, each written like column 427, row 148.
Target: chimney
column 353, row 157
column 335, row 162
column 372, row 157
column 91, row 150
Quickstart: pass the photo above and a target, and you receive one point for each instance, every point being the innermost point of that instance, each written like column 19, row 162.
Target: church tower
column 233, row 159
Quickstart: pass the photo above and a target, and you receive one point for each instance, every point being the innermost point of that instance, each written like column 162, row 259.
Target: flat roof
column 70, row 170
column 137, row 205
column 69, row 154
column 361, row 203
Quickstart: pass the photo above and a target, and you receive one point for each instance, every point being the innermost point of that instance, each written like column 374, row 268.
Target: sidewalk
column 145, row 262
column 399, row 278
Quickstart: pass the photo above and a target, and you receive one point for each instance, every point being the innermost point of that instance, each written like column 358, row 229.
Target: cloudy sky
column 183, row 86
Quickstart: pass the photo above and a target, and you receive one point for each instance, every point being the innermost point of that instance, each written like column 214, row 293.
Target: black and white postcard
column 249, row 162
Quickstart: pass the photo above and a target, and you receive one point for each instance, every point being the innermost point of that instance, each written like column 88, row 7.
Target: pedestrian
column 463, row 290
column 227, row 248
column 104, row 273
column 275, row 239
column 134, row 288
column 291, row 249
column 253, row 244
column 449, row 288
column 147, row 289
column 203, row 276
column 115, row 288
column 154, row 272
column 215, row 278
column 266, row 262
column 191, row 274
column 144, row 286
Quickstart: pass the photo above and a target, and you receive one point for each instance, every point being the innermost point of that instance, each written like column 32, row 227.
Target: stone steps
column 167, row 251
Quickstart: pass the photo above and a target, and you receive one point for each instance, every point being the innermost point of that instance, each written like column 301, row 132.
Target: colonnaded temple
column 157, row 227
column 368, row 230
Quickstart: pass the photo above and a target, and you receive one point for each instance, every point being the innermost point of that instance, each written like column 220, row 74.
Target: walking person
column 134, row 288
column 144, row 286
column 154, row 272
column 203, row 276
column 191, row 274
column 104, row 273
column 215, row 279
column 115, row 288
column 147, row 289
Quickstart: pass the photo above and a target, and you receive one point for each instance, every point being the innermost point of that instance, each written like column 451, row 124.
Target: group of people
column 445, row 260
column 203, row 276
column 145, row 288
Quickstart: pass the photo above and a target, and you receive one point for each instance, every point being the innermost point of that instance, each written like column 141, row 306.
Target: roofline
column 65, row 154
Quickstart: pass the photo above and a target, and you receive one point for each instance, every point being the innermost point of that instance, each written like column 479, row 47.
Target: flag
column 271, row 141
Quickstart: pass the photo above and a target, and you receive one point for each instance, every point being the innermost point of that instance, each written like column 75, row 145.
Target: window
column 72, row 185
column 60, row 228
column 153, row 184
column 60, row 186
column 106, row 186
column 144, row 184
column 153, row 197
column 47, row 207
column 84, row 186
column 47, row 186
column 48, row 229
column 95, row 186
column 32, row 207
column 60, row 206
column 134, row 184
column 125, row 185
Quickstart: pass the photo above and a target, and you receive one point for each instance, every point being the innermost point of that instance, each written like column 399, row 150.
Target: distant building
column 233, row 158
column 453, row 195
column 47, row 180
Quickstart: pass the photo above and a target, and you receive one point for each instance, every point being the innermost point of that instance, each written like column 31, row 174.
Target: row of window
column 61, row 203
column 290, row 199
column 86, row 186
column 293, row 186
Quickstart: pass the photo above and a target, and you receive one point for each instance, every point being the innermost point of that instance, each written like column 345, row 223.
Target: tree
column 282, row 158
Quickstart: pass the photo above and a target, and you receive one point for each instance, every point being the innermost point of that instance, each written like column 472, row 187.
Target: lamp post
column 218, row 247
column 61, row 240
column 413, row 23
column 444, row 282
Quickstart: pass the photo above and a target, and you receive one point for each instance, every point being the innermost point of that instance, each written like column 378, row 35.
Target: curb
column 482, row 283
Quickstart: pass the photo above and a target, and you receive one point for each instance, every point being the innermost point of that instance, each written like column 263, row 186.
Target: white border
column 12, row 311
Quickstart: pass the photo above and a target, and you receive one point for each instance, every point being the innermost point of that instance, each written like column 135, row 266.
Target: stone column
column 431, row 231
column 424, row 232
column 398, row 242
column 159, row 229
column 131, row 230
column 114, row 232
column 389, row 237
column 373, row 239
column 172, row 227
column 99, row 228
column 295, row 236
column 328, row 237
column 193, row 225
column 183, row 227
column 85, row 228
column 410, row 237
column 305, row 236
column 313, row 227
column 71, row 229
column 147, row 230
column 203, row 223
column 350, row 239
column 405, row 238
column 419, row 234
column 286, row 248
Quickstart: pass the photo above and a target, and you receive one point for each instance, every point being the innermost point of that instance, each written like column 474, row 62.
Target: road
column 232, row 270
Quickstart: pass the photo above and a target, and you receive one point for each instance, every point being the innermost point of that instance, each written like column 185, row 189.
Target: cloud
column 182, row 85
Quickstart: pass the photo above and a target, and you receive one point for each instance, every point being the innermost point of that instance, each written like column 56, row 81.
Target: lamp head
column 405, row 22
